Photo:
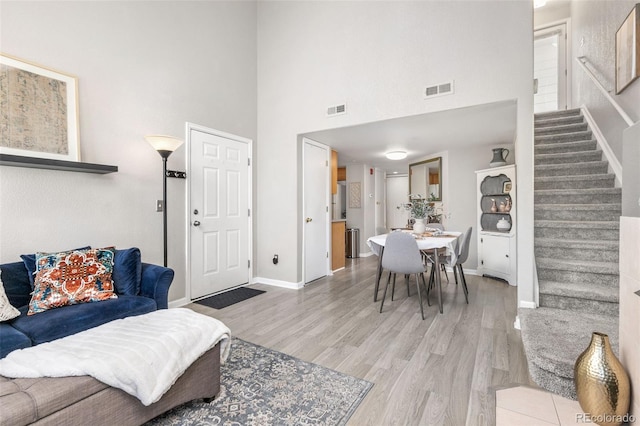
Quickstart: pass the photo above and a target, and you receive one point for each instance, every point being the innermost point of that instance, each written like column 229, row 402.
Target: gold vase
column 601, row 382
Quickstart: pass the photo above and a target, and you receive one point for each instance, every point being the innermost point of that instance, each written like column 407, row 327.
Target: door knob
column 309, row 219
column 196, row 223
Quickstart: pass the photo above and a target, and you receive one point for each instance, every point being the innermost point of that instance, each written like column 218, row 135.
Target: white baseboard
column 527, row 305
column 614, row 163
column 466, row 271
column 278, row 283
column 367, row 254
column 179, row 303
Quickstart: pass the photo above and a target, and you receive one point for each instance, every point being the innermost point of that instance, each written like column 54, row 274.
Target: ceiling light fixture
column 396, row 155
column 539, row 3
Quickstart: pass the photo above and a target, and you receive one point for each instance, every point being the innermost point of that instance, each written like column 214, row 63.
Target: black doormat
column 230, row 297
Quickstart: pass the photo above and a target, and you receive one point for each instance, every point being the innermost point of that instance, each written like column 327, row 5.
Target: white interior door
column 550, row 69
column 397, row 194
column 219, row 211
column 316, row 201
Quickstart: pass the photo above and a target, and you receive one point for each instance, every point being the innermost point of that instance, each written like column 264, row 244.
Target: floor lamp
column 165, row 145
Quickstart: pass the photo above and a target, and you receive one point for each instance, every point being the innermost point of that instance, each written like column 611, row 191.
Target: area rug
column 230, row 297
column 260, row 386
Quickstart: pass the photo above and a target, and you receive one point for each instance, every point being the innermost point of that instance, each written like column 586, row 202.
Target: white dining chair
column 439, row 227
column 462, row 255
column 402, row 256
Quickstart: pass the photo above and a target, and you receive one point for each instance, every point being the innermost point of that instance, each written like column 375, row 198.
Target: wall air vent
column 337, row 110
column 439, row 89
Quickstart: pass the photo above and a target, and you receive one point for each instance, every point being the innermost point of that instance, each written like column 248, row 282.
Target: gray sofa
column 86, row 401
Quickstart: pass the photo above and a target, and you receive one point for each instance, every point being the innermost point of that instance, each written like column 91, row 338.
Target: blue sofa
column 141, row 288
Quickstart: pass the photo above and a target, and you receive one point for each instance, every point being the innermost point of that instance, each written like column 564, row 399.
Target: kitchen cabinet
column 338, row 254
column 334, row 172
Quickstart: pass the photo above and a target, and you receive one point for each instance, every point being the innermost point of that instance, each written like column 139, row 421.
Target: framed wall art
column 41, row 114
column 628, row 50
column 355, row 195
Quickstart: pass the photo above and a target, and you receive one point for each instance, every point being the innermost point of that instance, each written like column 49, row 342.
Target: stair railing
column 583, row 64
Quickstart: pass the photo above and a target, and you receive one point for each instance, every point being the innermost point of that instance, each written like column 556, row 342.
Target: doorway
column 380, row 219
column 550, row 68
column 219, row 210
column 316, row 199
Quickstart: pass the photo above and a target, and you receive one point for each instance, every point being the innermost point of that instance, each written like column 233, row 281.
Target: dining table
column 433, row 244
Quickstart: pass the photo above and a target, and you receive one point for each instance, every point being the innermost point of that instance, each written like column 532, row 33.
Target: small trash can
column 353, row 243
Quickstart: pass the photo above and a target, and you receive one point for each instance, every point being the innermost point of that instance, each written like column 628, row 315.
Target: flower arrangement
column 419, row 207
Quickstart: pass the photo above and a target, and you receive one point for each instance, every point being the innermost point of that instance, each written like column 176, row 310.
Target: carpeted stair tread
column 584, row 244
column 586, row 168
column 579, row 146
column 588, row 249
column 591, row 266
column 579, row 207
column 580, row 182
column 590, row 195
column 564, row 137
column 558, row 121
column 567, row 158
column 557, row 114
column 608, row 225
column 590, row 291
column 587, row 215
column 577, row 230
column 554, row 338
column 564, row 166
column 561, row 128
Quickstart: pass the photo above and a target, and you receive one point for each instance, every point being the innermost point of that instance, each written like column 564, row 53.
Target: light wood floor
column 440, row 371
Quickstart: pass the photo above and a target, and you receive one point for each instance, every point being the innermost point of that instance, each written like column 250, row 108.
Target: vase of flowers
column 420, row 209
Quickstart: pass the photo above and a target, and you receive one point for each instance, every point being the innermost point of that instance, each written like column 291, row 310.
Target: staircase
column 577, row 211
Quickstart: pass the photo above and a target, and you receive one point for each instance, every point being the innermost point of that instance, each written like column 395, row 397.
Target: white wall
column 143, row 68
column 631, row 172
column 378, row 57
column 594, row 29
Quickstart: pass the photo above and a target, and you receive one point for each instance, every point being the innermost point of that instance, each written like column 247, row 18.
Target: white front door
column 550, row 69
column 316, row 201
column 219, row 210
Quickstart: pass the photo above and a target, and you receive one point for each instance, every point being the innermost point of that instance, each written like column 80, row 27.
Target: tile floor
column 526, row 406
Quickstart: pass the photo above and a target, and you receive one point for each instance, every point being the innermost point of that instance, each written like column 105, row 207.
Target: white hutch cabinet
column 497, row 222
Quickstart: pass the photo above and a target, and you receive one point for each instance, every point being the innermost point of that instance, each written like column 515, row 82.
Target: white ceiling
column 421, row 135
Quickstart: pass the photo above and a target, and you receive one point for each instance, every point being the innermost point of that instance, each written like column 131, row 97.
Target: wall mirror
column 425, row 178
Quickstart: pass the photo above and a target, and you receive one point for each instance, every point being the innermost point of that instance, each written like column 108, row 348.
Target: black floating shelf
column 46, row 163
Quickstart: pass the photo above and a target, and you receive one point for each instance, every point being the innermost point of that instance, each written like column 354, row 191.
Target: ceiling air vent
column 439, row 90
column 337, row 110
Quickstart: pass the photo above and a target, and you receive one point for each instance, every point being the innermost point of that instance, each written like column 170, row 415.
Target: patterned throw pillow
column 7, row 311
column 72, row 277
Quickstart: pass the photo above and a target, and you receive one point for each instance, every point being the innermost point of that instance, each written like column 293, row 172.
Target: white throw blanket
column 142, row 355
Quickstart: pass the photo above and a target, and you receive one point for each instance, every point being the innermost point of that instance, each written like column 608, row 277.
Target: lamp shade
column 164, row 143
column 396, row 155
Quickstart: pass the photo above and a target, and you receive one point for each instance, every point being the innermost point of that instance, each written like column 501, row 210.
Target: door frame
column 568, row 54
column 327, row 213
column 188, row 128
